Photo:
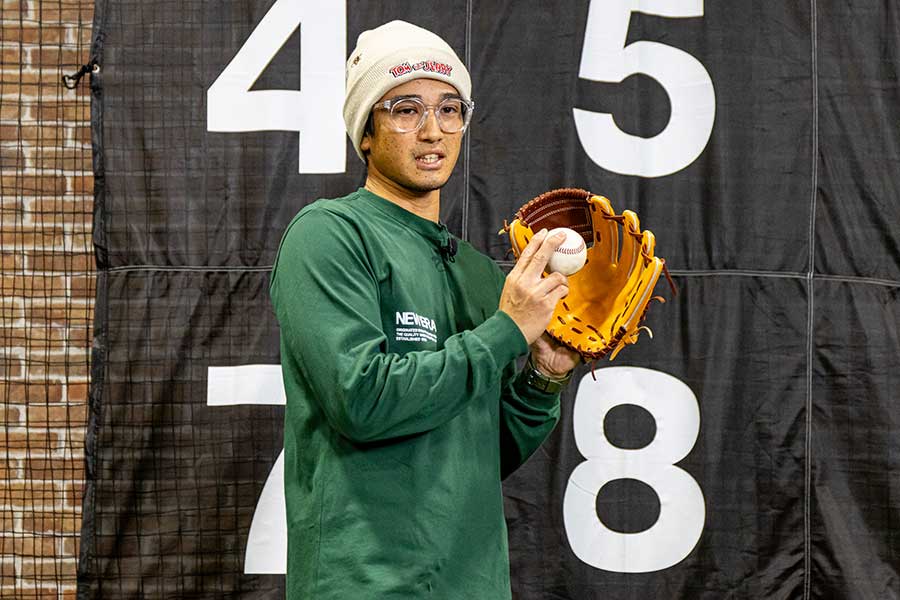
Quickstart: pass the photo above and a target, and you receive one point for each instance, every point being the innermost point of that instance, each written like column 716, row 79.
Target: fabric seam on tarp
column 810, row 299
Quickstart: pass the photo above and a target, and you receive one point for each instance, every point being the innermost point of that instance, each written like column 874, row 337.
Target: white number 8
column 682, row 510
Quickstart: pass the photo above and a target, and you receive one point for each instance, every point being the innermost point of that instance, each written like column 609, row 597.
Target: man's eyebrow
column 444, row 96
column 405, row 97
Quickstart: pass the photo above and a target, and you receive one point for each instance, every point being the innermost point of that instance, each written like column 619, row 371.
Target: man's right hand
column 528, row 298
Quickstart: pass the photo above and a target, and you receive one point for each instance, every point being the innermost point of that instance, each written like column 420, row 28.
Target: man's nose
column 431, row 129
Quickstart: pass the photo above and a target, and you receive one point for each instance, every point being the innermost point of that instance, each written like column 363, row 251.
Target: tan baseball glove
column 608, row 298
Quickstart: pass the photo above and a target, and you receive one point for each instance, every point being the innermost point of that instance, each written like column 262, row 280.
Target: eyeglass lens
column 409, row 114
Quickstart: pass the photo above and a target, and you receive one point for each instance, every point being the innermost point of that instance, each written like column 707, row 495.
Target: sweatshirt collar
column 436, row 232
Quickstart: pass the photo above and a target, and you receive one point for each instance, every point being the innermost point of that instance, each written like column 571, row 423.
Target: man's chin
column 424, row 186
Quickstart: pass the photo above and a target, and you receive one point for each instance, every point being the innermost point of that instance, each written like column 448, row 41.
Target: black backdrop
column 752, row 447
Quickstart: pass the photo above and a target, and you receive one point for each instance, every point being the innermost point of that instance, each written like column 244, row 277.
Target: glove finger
column 642, row 284
column 519, row 236
column 605, row 248
column 630, row 258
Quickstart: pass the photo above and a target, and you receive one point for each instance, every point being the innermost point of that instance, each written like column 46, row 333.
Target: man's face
column 408, row 159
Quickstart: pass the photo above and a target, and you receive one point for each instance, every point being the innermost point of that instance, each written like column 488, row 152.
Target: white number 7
column 605, row 57
column 315, row 109
column 258, row 384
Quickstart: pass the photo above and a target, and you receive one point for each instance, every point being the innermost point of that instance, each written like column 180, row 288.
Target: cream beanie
column 388, row 56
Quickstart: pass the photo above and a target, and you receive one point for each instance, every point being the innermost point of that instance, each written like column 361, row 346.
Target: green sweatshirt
column 404, row 409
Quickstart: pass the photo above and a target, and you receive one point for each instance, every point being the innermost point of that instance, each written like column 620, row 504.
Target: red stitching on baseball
column 571, row 250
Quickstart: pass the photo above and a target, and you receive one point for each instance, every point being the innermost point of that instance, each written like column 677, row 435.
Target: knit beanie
column 388, row 56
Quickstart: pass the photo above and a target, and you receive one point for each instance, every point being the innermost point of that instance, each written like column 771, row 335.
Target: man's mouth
column 431, row 160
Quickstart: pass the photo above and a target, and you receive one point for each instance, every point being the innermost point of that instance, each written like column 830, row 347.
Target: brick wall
column 46, row 292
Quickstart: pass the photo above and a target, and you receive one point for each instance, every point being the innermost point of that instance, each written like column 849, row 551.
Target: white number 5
column 605, row 57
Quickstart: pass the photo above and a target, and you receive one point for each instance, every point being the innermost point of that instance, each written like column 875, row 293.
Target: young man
column 399, row 346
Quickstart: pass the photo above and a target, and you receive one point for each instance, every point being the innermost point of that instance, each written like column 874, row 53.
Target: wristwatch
column 544, row 383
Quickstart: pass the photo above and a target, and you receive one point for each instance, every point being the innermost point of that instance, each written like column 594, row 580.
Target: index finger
column 542, row 254
column 528, row 251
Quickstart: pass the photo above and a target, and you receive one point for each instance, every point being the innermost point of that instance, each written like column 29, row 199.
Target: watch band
column 544, row 383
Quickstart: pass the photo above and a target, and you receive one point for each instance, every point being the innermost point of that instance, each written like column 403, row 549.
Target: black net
column 46, row 292
column 779, row 226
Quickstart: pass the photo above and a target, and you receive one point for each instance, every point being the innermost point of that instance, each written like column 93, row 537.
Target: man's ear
column 365, row 144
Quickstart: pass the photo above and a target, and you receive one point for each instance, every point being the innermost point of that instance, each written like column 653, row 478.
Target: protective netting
column 773, row 372
column 46, row 291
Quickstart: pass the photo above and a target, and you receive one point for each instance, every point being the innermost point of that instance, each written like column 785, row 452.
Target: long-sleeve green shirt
column 404, row 409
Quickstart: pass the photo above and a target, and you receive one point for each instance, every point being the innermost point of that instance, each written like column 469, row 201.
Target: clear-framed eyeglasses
column 408, row 113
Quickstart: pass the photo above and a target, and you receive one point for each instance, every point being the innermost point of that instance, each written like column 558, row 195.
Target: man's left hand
column 552, row 358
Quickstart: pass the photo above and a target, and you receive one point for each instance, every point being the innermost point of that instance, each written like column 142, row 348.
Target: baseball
column 571, row 254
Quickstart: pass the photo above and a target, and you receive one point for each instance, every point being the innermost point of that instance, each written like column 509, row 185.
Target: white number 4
column 315, row 109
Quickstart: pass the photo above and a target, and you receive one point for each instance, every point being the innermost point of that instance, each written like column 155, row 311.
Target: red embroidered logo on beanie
column 432, row 66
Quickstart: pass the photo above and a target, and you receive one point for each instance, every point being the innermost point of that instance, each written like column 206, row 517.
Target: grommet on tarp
column 71, row 81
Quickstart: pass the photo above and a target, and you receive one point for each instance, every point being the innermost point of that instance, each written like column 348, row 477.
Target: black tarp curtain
column 769, row 386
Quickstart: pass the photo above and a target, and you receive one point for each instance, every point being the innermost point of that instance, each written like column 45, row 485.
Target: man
column 399, row 346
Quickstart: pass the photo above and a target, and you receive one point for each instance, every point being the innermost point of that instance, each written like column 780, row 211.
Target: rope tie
column 72, row 81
